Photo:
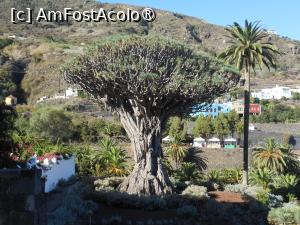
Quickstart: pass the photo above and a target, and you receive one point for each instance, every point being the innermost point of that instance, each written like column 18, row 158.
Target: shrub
column 262, row 197
column 51, row 124
column 231, row 176
column 109, row 183
column 72, row 207
column 196, row 192
column 261, row 176
column 113, row 158
column 288, row 214
column 237, row 188
column 258, row 193
column 214, row 175
column 285, row 184
column 113, row 129
column 187, row 211
column 286, row 181
column 243, row 189
column 177, row 184
column 186, row 172
column 225, row 176
column 274, row 201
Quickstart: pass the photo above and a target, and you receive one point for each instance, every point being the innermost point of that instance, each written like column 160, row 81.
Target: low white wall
column 62, row 169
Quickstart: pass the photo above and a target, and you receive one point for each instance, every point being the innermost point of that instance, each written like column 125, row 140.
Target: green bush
column 108, row 160
column 187, row 172
column 225, row 176
column 195, row 192
column 113, row 158
column 285, row 184
column 288, row 214
column 109, row 183
column 93, row 130
column 51, row 124
column 261, row 177
column 262, row 197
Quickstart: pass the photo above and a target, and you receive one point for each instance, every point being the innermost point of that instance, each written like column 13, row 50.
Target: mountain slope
column 45, row 46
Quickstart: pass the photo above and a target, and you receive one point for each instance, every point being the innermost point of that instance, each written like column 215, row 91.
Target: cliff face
column 45, row 46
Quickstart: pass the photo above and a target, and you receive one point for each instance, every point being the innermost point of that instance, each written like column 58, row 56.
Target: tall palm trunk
column 246, row 124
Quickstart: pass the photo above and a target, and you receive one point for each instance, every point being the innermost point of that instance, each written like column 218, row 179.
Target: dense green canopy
column 156, row 73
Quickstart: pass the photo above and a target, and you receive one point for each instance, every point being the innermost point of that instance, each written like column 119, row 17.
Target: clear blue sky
column 280, row 15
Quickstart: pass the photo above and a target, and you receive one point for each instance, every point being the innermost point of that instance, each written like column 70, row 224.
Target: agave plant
column 113, row 157
column 84, row 160
column 231, row 176
column 286, row 181
column 273, row 156
column 261, row 177
column 214, row 175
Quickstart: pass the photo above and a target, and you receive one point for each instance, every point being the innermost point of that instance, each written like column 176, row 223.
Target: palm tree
column 176, row 151
column 247, row 49
column 275, row 157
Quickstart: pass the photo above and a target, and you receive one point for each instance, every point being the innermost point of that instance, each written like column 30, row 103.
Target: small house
column 11, row 100
column 199, row 142
column 230, row 143
column 56, row 168
column 71, row 92
column 214, row 143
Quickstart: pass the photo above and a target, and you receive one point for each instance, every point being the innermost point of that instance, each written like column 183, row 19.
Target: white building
column 72, row 92
column 276, row 92
column 296, row 90
column 199, row 142
column 54, row 170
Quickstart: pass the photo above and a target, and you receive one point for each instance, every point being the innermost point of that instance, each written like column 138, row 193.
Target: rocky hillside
column 43, row 47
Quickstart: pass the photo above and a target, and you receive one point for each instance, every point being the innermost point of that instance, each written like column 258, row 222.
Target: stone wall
column 22, row 200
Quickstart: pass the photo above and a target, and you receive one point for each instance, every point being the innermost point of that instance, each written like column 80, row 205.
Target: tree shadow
column 163, row 210
column 194, row 156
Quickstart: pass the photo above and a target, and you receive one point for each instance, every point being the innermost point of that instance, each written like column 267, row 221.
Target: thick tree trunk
column 148, row 176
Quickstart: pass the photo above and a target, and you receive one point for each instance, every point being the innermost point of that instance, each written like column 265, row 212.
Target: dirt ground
column 228, row 197
column 223, row 158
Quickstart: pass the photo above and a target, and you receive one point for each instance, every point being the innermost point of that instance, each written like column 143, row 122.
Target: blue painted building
column 213, row 109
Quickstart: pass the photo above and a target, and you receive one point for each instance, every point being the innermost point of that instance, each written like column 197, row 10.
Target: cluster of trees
column 222, row 125
column 276, row 112
column 55, row 124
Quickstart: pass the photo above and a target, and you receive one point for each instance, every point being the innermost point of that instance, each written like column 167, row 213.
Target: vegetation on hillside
column 68, row 39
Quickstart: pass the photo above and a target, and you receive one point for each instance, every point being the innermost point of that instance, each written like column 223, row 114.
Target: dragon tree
column 145, row 80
